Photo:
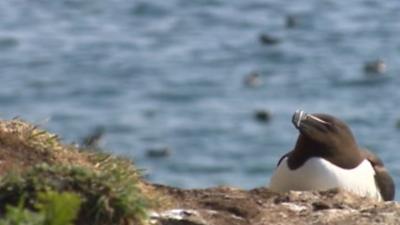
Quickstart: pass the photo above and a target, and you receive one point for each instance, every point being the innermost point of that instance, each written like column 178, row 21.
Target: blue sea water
column 170, row 74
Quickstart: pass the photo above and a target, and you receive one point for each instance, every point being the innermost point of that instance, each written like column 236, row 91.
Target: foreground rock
column 229, row 206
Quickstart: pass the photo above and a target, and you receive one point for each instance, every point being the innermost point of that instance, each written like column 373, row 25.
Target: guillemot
column 327, row 156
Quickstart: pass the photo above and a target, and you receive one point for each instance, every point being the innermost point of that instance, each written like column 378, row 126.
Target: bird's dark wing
column 280, row 160
column 382, row 177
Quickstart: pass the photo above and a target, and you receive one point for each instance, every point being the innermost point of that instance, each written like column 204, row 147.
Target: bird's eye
column 331, row 126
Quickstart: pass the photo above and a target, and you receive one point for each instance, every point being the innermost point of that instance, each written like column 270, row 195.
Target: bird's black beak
column 299, row 116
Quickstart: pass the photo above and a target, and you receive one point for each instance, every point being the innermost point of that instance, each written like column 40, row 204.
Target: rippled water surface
column 160, row 74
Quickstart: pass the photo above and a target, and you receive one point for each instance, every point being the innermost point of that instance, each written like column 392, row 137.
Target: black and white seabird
column 375, row 67
column 327, row 156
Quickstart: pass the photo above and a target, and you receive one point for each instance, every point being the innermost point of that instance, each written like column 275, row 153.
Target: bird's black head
column 325, row 136
column 324, row 130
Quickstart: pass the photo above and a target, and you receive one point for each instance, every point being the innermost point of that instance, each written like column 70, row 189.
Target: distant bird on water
column 291, row 21
column 92, row 140
column 253, row 79
column 267, row 39
column 375, row 67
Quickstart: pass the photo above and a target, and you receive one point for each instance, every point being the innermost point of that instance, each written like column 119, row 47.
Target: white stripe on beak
column 317, row 119
column 301, row 115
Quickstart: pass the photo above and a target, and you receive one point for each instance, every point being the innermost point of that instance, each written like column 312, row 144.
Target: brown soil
column 231, row 206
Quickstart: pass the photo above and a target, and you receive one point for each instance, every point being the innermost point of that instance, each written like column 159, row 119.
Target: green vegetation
column 48, row 183
column 109, row 195
column 53, row 209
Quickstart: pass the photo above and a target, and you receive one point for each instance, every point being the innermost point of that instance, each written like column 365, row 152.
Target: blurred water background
column 158, row 74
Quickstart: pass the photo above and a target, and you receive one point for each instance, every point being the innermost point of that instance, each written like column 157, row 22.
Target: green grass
column 108, row 195
column 52, row 209
column 46, row 182
column 58, row 208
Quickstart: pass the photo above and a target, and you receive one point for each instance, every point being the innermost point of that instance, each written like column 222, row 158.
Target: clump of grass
column 24, row 145
column 58, row 208
column 109, row 194
column 18, row 215
column 53, row 209
column 18, row 132
column 37, row 163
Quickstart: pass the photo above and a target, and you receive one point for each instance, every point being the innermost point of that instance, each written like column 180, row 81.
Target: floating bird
column 398, row 124
column 262, row 115
column 291, row 21
column 269, row 40
column 253, row 80
column 375, row 67
column 327, row 156
column 158, row 152
column 92, row 140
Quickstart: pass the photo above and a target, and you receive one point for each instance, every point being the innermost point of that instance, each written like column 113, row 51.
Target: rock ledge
column 231, row 206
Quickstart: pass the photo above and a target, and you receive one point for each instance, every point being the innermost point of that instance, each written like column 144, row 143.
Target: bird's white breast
column 320, row 174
